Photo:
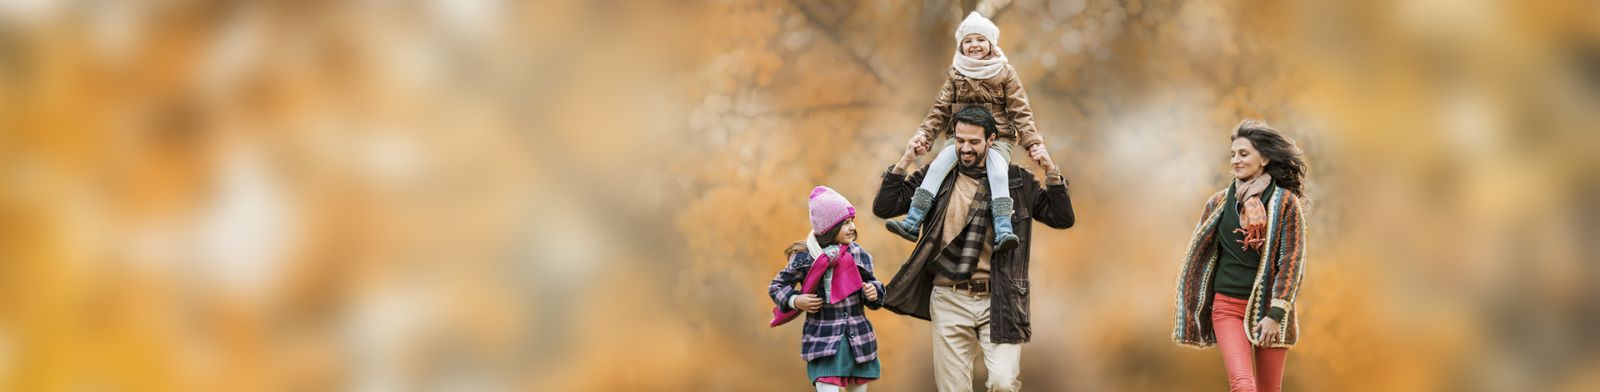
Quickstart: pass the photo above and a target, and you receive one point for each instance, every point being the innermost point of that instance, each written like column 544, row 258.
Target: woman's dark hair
column 1285, row 162
column 976, row 115
column 824, row 239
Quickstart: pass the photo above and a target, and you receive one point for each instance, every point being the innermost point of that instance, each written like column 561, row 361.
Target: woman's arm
column 1290, row 267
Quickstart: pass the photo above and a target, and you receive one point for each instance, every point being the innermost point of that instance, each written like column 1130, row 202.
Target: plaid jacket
column 820, row 336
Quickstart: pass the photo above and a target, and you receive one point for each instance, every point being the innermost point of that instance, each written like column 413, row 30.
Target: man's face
column 970, row 144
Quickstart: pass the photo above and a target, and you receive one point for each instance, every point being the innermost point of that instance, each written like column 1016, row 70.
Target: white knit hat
column 977, row 24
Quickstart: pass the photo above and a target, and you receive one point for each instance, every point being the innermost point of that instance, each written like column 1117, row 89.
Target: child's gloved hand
column 870, row 291
column 809, row 303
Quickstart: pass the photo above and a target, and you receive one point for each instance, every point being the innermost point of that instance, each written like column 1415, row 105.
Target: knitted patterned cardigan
column 1277, row 280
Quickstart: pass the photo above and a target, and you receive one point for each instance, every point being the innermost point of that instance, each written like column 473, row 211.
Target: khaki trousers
column 960, row 329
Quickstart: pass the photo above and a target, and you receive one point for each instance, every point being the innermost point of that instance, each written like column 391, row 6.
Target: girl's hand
column 870, row 290
column 1268, row 330
column 1041, row 156
column 918, row 145
column 809, row 303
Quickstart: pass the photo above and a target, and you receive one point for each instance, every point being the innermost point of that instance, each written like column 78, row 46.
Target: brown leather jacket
column 1002, row 95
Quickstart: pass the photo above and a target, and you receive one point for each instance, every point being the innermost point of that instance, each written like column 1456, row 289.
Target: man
column 976, row 299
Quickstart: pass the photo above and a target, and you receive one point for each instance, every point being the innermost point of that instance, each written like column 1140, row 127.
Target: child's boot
column 1004, row 238
column 910, row 227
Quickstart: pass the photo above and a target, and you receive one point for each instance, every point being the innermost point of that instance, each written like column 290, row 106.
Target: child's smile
column 975, row 46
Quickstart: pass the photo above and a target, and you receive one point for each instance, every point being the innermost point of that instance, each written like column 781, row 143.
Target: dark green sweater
column 1236, row 266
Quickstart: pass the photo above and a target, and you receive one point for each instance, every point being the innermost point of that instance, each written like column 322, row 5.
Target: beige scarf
column 984, row 68
column 1253, row 218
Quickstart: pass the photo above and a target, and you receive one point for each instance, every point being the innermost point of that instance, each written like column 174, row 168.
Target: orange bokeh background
column 565, row 195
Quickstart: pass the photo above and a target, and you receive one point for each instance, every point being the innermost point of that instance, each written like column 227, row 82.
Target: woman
column 1245, row 261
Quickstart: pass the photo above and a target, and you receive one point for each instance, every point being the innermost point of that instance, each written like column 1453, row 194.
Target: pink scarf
column 846, row 278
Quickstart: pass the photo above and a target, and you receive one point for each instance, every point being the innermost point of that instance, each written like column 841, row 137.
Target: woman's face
column 1247, row 162
column 847, row 232
column 975, row 46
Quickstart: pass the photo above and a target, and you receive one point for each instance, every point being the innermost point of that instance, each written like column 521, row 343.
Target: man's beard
column 977, row 160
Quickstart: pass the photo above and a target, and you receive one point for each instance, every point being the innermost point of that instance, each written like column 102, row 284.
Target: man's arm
column 1052, row 205
column 894, row 194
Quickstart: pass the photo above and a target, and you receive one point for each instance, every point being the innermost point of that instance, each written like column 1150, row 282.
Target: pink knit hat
column 828, row 209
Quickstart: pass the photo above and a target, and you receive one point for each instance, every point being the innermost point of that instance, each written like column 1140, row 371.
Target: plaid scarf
column 959, row 258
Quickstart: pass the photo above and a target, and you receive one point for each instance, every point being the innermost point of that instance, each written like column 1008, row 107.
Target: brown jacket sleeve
column 1021, row 114
column 939, row 115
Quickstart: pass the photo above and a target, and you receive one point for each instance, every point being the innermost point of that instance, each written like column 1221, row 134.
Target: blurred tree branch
column 832, row 32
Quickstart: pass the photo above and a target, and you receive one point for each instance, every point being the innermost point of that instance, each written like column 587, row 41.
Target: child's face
column 847, row 232
column 975, row 46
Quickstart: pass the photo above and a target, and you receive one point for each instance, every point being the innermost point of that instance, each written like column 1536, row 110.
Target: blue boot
column 910, row 227
column 1004, row 238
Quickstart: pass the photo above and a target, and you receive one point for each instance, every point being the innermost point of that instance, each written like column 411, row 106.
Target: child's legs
column 1269, row 368
column 939, row 168
column 1227, row 319
column 856, row 388
column 826, row 387
column 997, row 165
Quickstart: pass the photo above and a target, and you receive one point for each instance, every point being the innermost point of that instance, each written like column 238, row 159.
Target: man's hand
column 919, row 144
column 1268, row 329
column 870, row 290
column 810, row 303
column 1041, row 156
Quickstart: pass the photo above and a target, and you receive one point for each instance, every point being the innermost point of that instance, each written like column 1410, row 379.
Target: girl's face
column 1247, row 162
column 847, row 232
column 975, row 46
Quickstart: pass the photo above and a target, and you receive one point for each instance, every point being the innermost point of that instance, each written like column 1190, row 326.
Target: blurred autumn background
column 592, row 195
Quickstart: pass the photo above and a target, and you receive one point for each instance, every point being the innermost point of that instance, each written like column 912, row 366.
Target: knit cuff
column 922, row 199
column 1276, row 314
column 1004, row 206
column 889, row 174
column 1279, row 309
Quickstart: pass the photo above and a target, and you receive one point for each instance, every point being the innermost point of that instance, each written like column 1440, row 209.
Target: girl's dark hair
column 1285, row 162
column 976, row 115
column 824, row 239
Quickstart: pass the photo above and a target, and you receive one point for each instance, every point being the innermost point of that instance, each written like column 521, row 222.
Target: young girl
column 836, row 281
column 980, row 75
column 1241, row 275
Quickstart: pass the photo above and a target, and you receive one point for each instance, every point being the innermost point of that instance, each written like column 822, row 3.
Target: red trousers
column 1266, row 371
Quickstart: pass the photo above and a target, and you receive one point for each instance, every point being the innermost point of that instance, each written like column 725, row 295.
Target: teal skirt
column 841, row 364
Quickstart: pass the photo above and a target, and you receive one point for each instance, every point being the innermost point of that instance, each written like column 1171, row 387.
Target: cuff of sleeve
column 903, row 177
column 1276, row 314
column 1279, row 309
